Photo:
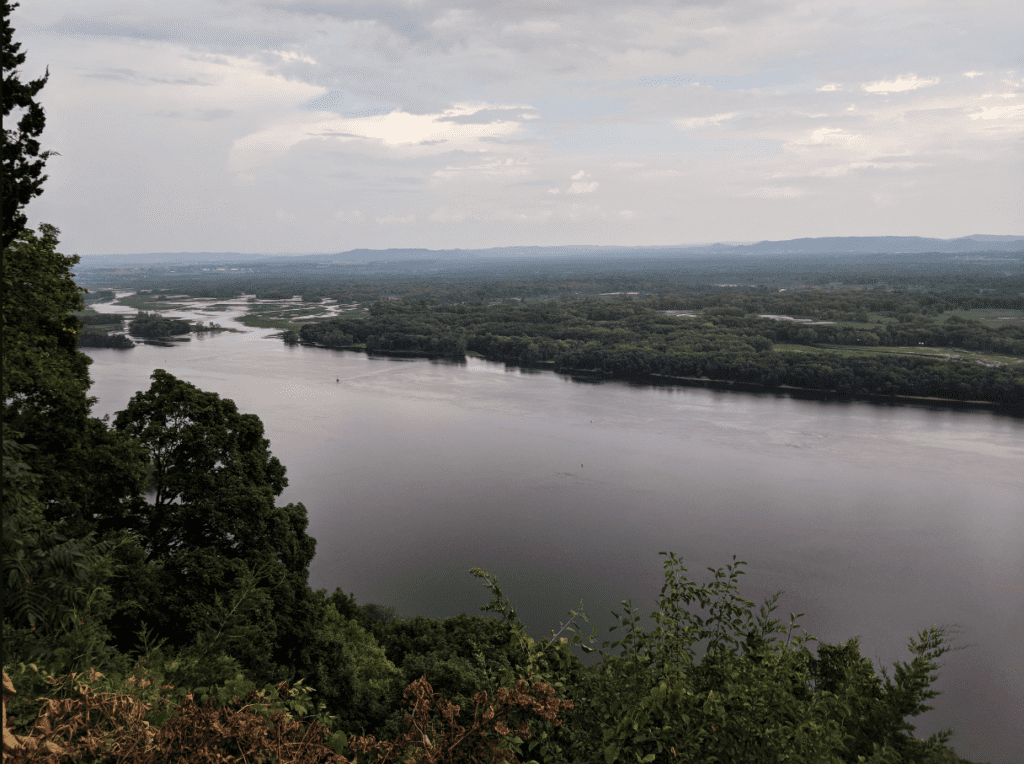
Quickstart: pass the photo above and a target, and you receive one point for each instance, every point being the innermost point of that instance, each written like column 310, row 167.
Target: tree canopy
column 211, row 515
column 22, row 161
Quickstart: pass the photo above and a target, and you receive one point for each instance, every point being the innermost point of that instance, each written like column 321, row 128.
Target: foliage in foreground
column 772, row 701
column 750, row 699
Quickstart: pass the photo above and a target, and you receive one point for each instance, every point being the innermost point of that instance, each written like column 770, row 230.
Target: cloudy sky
column 305, row 126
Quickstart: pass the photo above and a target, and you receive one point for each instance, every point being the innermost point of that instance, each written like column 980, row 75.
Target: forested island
column 734, row 337
column 100, row 330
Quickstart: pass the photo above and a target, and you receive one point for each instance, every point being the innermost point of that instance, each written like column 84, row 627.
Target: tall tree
column 44, row 375
column 89, row 473
column 212, row 517
column 22, row 160
column 66, row 474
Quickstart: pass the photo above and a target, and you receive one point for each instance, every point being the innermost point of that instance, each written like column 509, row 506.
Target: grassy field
column 146, row 302
column 115, row 323
column 219, row 306
column 990, row 317
column 286, row 310
column 267, row 322
column 931, row 352
column 875, row 321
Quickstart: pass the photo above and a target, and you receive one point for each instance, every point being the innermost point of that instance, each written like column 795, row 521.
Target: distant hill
column 881, row 245
column 825, row 245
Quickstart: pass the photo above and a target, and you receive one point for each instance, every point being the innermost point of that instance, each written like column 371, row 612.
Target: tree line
column 635, row 340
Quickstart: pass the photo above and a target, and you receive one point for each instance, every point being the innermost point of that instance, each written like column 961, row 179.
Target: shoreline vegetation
column 727, row 347
column 702, row 382
column 926, row 328
column 841, row 345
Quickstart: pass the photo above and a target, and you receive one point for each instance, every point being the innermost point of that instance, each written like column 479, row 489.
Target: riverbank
column 804, row 393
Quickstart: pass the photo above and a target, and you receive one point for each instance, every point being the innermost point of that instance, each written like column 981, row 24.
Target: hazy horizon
column 982, row 239
column 304, row 126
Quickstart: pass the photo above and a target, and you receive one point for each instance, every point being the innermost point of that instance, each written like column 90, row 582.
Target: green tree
column 55, row 578
column 213, row 483
column 351, row 672
column 154, row 325
column 88, row 473
column 45, row 378
column 22, row 161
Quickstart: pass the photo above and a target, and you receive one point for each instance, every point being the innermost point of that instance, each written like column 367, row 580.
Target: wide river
column 877, row 521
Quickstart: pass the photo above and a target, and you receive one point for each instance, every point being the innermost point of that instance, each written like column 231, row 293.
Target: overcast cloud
column 251, row 126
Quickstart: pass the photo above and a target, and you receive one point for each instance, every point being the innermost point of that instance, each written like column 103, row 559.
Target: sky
column 312, row 127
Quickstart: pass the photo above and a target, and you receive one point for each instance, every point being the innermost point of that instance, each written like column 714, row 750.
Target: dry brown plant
column 431, row 743
column 111, row 728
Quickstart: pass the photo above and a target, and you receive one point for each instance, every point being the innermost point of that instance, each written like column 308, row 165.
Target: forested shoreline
column 727, row 342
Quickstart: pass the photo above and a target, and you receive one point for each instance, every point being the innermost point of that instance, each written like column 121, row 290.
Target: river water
column 877, row 521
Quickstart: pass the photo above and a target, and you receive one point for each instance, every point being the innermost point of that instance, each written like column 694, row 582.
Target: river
column 877, row 521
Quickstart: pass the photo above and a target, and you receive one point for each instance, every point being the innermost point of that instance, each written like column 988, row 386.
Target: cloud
column 533, row 27
column 827, row 136
column 583, row 188
column 432, row 117
column 445, row 214
column 395, row 219
column 689, row 123
column 490, row 116
column 395, row 129
column 329, row 101
column 999, row 112
column 836, row 171
column 289, row 55
column 401, row 127
column 212, row 114
column 775, row 192
column 898, row 85
column 348, row 216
